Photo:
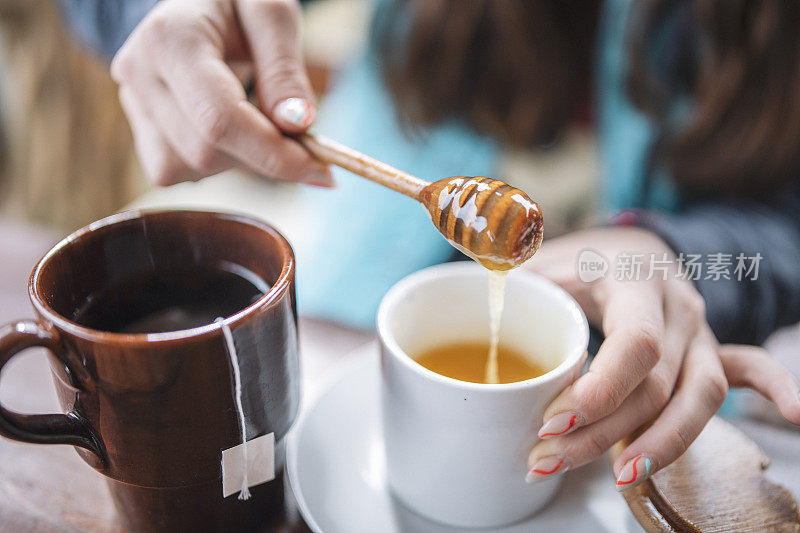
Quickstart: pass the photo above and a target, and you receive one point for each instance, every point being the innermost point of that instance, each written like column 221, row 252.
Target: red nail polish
column 634, row 473
column 560, row 424
column 546, row 467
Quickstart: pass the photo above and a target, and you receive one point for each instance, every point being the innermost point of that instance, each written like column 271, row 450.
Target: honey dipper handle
column 331, row 152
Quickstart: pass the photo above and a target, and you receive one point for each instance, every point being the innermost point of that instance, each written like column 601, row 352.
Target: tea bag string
column 244, row 493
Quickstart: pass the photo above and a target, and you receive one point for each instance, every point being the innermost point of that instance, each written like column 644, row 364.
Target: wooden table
column 49, row 488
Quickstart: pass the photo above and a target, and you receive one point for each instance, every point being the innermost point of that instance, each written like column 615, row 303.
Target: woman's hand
column 188, row 110
column 659, row 363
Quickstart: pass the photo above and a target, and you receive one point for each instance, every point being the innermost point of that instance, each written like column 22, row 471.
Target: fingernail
column 546, row 467
column 560, row 424
column 298, row 111
column 634, row 472
column 320, row 179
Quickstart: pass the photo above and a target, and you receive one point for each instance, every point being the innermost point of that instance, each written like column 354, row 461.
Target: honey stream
column 497, row 289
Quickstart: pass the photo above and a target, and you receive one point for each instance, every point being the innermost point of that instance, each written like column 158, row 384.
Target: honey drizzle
column 497, row 290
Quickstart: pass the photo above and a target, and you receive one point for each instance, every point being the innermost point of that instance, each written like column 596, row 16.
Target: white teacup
column 456, row 452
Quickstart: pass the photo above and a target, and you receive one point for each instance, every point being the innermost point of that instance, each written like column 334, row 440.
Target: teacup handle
column 41, row 429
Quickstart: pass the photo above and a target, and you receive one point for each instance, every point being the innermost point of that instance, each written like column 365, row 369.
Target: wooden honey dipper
column 496, row 224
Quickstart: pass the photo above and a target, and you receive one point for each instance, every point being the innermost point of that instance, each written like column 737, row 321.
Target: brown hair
column 519, row 70
column 743, row 78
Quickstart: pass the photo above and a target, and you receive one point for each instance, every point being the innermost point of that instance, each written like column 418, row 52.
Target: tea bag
column 251, row 461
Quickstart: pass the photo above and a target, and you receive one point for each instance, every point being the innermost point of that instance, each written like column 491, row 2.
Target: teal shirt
column 625, row 134
column 367, row 237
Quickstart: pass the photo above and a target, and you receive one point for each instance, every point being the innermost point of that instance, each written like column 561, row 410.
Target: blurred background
column 66, row 156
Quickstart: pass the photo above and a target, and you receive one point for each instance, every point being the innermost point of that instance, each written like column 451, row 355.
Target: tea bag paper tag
column 260, row 464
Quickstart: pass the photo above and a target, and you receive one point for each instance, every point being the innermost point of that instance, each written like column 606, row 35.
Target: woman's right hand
column 188, row 110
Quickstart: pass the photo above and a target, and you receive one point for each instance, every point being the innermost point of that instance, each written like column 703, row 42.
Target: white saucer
column 336, row 468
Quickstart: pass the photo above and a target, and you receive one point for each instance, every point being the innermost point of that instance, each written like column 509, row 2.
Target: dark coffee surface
column 160, row 301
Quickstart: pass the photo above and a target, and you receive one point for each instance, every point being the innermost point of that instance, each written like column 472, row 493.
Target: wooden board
column 717, row 485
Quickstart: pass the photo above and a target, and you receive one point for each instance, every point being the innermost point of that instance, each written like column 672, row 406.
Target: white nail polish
column 298, row 111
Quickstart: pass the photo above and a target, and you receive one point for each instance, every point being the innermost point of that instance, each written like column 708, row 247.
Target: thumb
column 272, row 30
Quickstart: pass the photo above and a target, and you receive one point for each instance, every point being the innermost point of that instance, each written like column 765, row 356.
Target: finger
column 701, row 390
column 272, row 29
column 164, row 112
column 592, row 441
column 753, row 367
column 633, row 320
column 684, row 313
column 159, row 162
column 559, row 454
column 214, row 100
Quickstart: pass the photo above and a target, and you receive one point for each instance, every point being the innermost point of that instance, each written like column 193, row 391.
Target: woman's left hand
column 659, row 364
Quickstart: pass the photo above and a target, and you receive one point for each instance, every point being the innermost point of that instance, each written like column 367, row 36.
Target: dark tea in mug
column 171, row 299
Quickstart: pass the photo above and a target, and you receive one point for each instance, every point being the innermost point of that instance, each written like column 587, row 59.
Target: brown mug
column 154, row 411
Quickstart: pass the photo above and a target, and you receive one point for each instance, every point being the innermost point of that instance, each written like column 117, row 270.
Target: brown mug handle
column 42, row 429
